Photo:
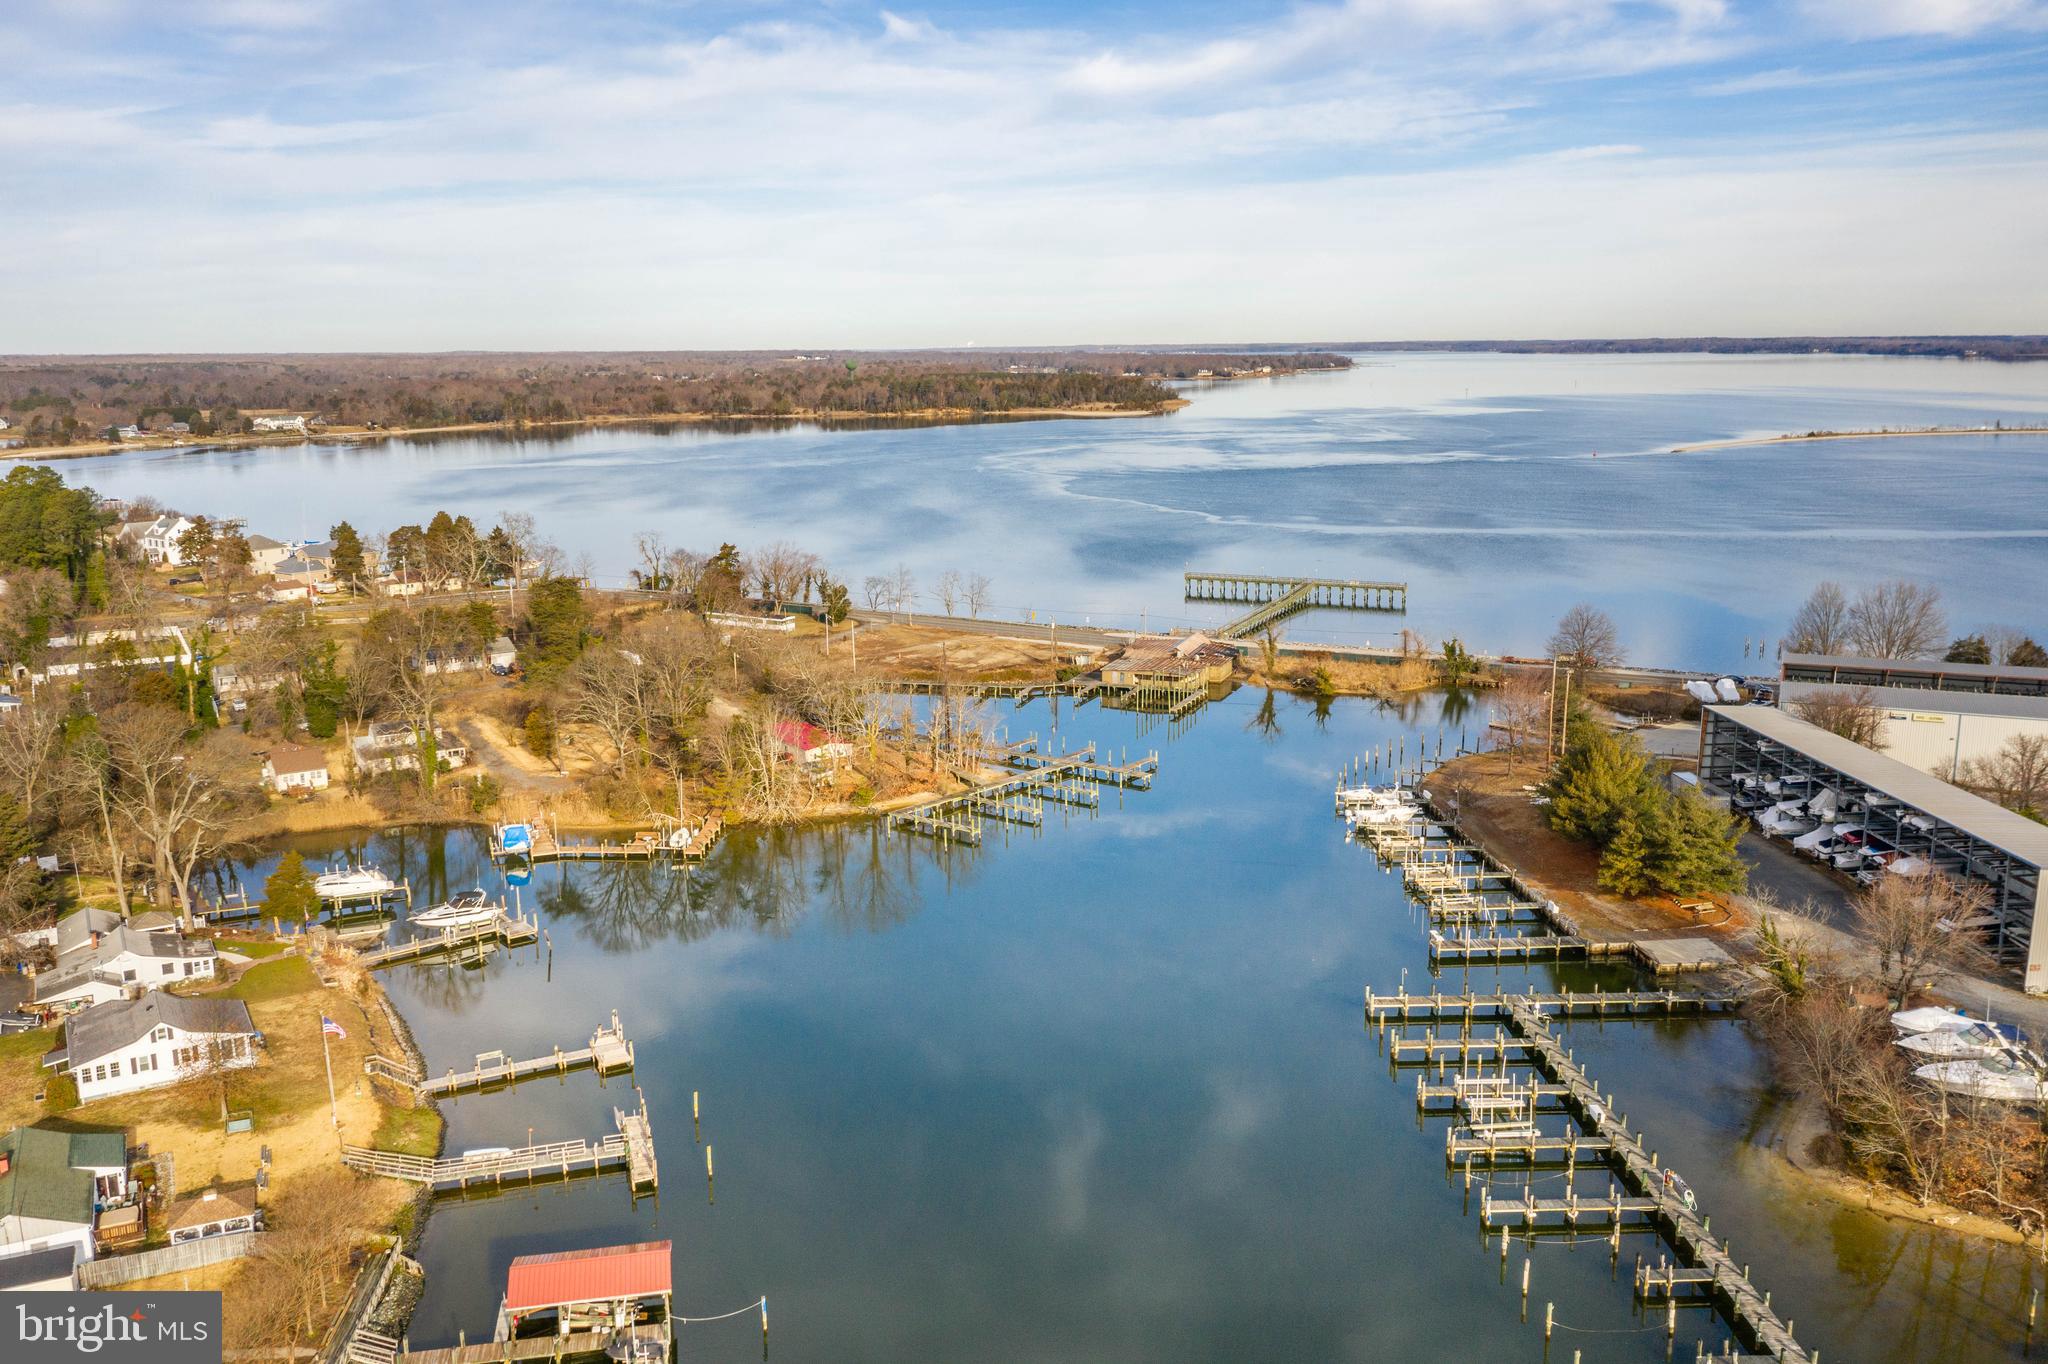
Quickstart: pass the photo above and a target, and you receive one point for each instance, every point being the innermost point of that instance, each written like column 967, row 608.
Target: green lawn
column 274, row 979
column 259, row 947
column 414, row 1131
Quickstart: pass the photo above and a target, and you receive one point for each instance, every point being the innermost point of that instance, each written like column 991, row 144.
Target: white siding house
column 159, row 541
column 52, row 1185
column 121, row 961
column 295, row 767
column 154, row 1041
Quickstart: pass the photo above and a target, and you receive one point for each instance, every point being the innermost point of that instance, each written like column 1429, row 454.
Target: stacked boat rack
column 1517, row 1098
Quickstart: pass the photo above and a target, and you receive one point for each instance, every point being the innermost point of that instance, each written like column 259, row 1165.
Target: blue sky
column 315, row 174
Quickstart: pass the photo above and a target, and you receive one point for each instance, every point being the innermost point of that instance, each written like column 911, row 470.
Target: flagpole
column 328, row 1057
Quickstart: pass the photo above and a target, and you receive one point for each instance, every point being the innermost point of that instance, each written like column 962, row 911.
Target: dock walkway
column 1034, row 778
column 630, row 1146
column 610, row 1051
column 512, row 930
column 578, row 1344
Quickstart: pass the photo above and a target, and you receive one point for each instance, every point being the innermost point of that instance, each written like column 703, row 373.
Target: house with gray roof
column 107, row 963
column 157, row 1040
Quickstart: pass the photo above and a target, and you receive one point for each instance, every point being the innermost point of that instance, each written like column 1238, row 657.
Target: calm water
column 1503, row 488
column 1101, row 1092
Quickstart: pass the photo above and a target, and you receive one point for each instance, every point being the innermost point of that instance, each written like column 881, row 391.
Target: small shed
column 501, row 656
column 605, row 1288
column 217, row 1210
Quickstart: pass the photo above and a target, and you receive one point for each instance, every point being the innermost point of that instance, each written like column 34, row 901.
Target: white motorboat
column 1951, row 1043
column 352, row 883
column 1359, row 797
column 1379, row 816
column 461, row 911
column 2003, row 1077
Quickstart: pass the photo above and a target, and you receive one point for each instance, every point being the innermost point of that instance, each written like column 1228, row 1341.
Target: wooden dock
column 578, row 1344
column 1435, row 1007
column 1035, row 778
column 630, row 1147
column 510, row 930
column 1273, row 599
column 546, row 844
column 610, row 1051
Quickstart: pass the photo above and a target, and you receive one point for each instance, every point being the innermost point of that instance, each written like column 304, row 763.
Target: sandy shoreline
column 943, row 416
column 1790, row 439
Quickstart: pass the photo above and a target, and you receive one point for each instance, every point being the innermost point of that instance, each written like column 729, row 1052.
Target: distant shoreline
column 1794, row 438
column 936, row 416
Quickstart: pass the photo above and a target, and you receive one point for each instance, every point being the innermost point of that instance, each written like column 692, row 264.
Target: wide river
column 1502, row 488
column 1101, row 1092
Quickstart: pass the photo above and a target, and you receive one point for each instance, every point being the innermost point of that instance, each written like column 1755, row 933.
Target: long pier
column 610, row 1051
column 630, row 1146
column 1441, row 1008
column 545, row 844
column 575, row 1345
column 512, row 930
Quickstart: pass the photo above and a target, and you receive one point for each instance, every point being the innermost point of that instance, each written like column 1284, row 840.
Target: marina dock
column 1274, row 599
column 1035, row 778
column 629, row 1147
column 1403, row 1007
column 574, row 1345
column 546, row 844
column 509, row 930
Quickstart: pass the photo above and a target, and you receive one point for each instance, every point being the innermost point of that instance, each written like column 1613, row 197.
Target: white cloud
column 1945, row 18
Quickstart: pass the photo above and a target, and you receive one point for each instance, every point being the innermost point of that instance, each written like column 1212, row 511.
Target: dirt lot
column 1494, row 808
column 922, row 651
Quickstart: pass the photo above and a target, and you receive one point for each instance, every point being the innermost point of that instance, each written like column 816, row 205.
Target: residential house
column 129, row 432
column 217, row 1210
column 265, row 554
column 157, row 1040
column 278, row 592
column 301, row 569
column 98, row 961
column 394, row 747
column 158, row 541
column 400, row 587
column 278, row 423
column 808, row 744
column 52, row 1187
column 4, row 423
column 292, row 767
column 40, row 1271
column 451, row 661
column 10, row 706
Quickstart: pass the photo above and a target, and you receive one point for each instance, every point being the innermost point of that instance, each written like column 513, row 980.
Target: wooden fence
column 209, row 1250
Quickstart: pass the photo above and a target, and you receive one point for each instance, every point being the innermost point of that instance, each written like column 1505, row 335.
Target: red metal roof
column 601, row 1275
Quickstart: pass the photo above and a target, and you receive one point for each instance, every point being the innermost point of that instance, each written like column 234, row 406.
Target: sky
column 262, row 175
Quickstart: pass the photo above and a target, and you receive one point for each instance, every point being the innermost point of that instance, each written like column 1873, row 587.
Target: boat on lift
column 464, row 910
column 353, row 883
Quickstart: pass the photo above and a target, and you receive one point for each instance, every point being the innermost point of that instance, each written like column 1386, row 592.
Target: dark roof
column 42, row 1179
column 38, row 1266
column 1911, row 665
column 109, row 1027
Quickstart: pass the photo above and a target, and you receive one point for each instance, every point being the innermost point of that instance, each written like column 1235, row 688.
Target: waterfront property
column 153, row 1041
column 102, row 957
column 289, row 767
column 1919, row 816
column 1936, row 716
column 609, row 1288
column 394, row 746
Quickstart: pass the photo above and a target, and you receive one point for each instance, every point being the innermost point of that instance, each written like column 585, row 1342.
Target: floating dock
column 546, row 844
column 1036, row 778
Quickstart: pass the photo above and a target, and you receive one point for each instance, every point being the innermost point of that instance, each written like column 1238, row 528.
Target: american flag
column 328, row 1025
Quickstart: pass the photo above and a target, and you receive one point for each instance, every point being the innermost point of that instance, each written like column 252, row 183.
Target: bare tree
column 976, row 593
column 902, row 589
column 782, row 570
column 411, row 650
column 181, row 800
column 1821, row 625
column 2015, row 774
column 608, row 692
column 90, row 775
column 319, row 1219
column 31, row 745
column 1898, row 619
column 1520, row 706
column 1921, row 926
column 1586, row 638
column 947, row 589
column 2005, row 642
column 875, row 589
column 1852, row 713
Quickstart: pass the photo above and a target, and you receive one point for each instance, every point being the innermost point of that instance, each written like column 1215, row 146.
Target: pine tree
column 1600, row 780
column 1625, row 864
column 289, row 893
column 1692, row 849
column 348, row 562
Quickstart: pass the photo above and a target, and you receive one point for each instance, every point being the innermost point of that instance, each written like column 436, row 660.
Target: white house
column 394, row 747
column 810, row 745
column 159, row 539
column 501, row 655
column 295, row 767
column 292, row 423
column 153, row 1041
column 52, row 1186
column 106, row 962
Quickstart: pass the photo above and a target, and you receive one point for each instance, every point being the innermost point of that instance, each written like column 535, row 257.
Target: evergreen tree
column 1692, row 848
column 349, row 566
column 324, row 691
column 1625, row 863
column 835, row 601
column 555, row 616
column 289, row 893
column 1968, row 649
column 1600, row 780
